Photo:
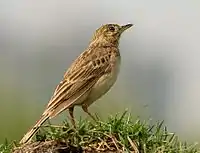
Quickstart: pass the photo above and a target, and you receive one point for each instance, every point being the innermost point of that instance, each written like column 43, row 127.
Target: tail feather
column 27, row 137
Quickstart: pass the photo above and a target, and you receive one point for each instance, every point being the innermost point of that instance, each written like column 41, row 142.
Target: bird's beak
column 125, row 27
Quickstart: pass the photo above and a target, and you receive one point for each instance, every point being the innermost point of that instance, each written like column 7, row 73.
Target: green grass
column 6, row 147
column 118, row 133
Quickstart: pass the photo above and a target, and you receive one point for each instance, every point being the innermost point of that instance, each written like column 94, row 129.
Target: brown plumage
column 90, row 76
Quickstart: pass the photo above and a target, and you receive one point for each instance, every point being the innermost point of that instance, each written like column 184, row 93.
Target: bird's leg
column 85, row 109
column 71, row 110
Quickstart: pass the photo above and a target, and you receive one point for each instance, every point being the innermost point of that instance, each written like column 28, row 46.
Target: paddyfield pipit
column 90, row 76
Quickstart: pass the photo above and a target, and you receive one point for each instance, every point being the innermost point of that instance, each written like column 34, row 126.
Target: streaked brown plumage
column 90, row 76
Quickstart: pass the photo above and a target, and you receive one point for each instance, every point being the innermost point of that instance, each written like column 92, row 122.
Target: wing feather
column 77, row 83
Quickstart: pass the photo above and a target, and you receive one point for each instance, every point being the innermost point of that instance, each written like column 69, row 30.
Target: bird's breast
column 104, row 83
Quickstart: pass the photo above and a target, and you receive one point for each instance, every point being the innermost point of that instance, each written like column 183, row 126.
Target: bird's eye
column 112, row 28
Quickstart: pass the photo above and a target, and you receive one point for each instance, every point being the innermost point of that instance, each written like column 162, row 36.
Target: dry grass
column 119, row 134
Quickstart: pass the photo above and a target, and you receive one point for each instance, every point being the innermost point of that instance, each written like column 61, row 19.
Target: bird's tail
column 27, row 137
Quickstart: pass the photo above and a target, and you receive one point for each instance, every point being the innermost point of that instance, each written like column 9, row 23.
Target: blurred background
column 160, row 72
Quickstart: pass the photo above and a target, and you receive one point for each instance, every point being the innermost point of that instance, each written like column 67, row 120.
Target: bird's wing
column 79, row 81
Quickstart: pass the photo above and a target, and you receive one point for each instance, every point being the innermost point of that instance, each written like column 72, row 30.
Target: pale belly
column 103, row 84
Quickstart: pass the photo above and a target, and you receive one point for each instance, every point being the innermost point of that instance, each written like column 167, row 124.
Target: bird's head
column 110, row 33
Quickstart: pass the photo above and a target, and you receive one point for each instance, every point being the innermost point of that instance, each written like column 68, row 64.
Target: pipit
column 90, row 76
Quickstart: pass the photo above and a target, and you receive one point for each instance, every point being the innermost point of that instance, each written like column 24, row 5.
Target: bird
column 88, row 78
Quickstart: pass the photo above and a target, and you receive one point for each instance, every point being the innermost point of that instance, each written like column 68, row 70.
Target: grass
column 120, row 133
